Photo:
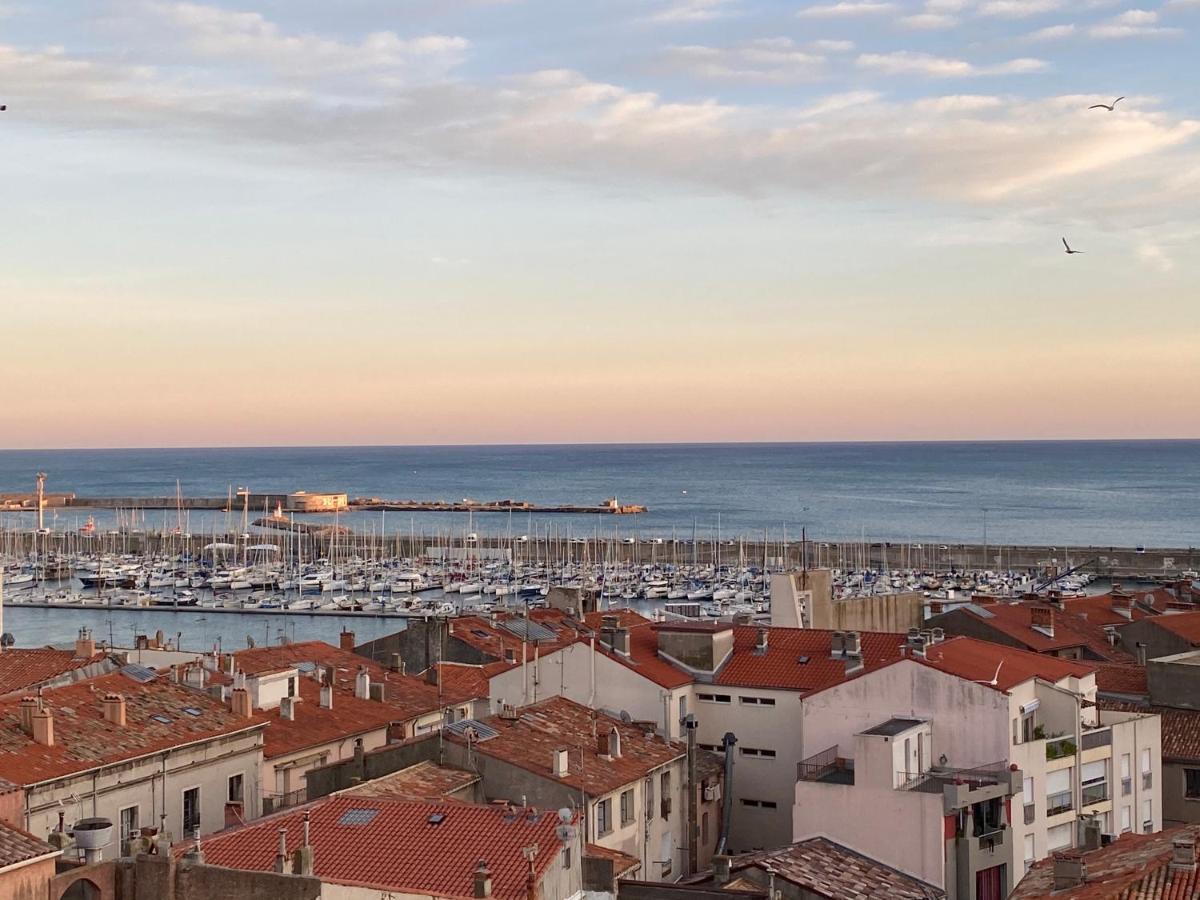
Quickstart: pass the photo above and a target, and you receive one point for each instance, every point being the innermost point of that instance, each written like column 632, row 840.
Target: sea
column 1045, row 493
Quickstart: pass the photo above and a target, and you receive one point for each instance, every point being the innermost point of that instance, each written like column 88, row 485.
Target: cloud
column 1131, row 23
column 1019, row 9
column 846, row 9
column 1155, row 257
column 929, row 21
column 829, row 46
column 767, row 60
column 693, row 11
column 1051, row 33
column 1004, row 155
column 906, row 62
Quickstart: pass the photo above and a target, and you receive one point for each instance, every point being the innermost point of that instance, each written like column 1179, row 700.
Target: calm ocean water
column 1101, row 493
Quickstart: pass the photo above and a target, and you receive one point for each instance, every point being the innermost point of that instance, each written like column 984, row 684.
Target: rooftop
column 1134, row 867
column 407, row 846
column 18, row 846
column 159, row 715
column 985, row 662
column 312, row 726
column 530, row 741
column 424, row 781
column 799, row 659
column 1180, row 728
column 643, row 655
column 1015, row 621
column 22, row 669
column 830, row 870
column 893, row 727
column 1183, row 625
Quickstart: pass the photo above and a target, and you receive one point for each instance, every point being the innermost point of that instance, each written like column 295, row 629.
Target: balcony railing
column 273, row 802
column 932, row 780
column 1059, row 803
column 826, row 766
column 1101, row 737
column 1094, row 793
column 1060, row 747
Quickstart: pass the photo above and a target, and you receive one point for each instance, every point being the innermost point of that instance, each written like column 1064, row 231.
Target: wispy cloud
column 1155, row 257
column 1131, row 24
column 1019, row 9
column 765, row 60
column 906, row 62
column 846, row 9
column 1052, row 33
column 693, row 11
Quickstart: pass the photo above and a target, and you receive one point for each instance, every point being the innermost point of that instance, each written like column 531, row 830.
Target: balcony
column 1059, row 803
column 1100, row 737
column 826, row 767
column 961, row 787
column 1094, row 793
column 1057, row 748
column 275, row 802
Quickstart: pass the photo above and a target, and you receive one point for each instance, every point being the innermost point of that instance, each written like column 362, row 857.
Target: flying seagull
column 1068, row 246
column 1108, row 106
column 995, row 678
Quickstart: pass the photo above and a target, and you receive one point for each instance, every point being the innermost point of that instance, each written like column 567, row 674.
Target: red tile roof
column 1134, row 867
column 984, row 661
column 22, row 668
column 1014, row 620
column 464, row 680
column 488, row 637
column 643, row 648
column 84, row 739
column 1184, row 625
column 529, row 742
column 1117, row 678
column 312, row 726
column 1098, row 610
column 18, row 846
column 424, row 781
column 623, row 863
column 397, row 847
column 780, row 666
column 828, row 869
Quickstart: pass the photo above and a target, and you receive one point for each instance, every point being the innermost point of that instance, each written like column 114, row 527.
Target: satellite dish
column 565, row 816
column 626, row 717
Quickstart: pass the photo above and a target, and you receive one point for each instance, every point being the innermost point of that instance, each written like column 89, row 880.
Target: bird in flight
column 995, row 678
column 1068, row 246
column 1108, row 106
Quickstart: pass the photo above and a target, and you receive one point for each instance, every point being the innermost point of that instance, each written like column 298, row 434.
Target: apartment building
column 962, row 719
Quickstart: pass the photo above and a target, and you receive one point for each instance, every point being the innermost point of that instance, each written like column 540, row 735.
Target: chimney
column 326, row 696
column 1141, row 653
column 397, row 663
column 362, row 683
column 346, row 640
column 85, row 647
column 287, row 708
column 43, row 727
column 854, row 644
column 196, row 676
column 1070, row 870
column 483, row 880
column 431, row 675
column 937, row 635
column 614, row 743
column 239, row 702
column 1183, row 854
column 114, row 709
column 230, row 664
column 561, row 763
column 239, row 679
column 281, row 856
column 764, row 634
column 25, row 713
column 837, row 644
column 377, row 691
column 302, row 857
column 1041, row 618
column 1122, row 604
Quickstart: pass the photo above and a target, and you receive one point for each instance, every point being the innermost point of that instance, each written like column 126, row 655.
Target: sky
column 282, row 222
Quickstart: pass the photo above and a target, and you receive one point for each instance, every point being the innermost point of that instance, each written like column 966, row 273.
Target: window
column 1027, row 730
column 1126, row 779
column 668, row 853
column 1147, row 816
column 129, row 826
column 1145, row 760
column 1027, row 790
column 1191, row 784
column 1029, row 857
column 235, row 788
column 1094, row 782
column 704, row 828
column 758, row 804
column 1126, row 819
column 712, row 748
column 665, row 790
column 191, row 811
column 682, row 707
column 649, row 797
column 292, row 686
column 713, row 698
column 1059, row 836
column 604, row 817
column 756, row 701
column 627, row 806
column 566, row 856
column 757, row 752
column 1147, row 772
column 1058, row 792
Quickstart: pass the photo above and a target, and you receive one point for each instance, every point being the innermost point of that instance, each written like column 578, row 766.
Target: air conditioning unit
column 712, row 792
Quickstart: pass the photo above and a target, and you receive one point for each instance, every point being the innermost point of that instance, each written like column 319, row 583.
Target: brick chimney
column 43, row 727
column 239, row 702
column 346, row 640
column 25, row 713
column 85, row 647
column 483, row 880
column 113, row 706
column 1122, row 604
column 1041, row 618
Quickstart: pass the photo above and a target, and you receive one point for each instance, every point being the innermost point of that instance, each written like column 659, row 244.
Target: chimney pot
column 239, row 702
column 483, row 880
column 85, row 647
column 397, row 663
column 1183, row 854
column 326, row 696
column 346, row 640
column 43, row 727
column 25, row 713
column 113, row 706
column 362, row 684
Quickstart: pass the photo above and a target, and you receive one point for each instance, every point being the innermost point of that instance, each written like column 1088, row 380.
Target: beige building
column 304, row 502
column 138, row 750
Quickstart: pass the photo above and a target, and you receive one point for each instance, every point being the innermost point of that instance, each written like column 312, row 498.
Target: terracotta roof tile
column 1117, row 678
column 830, row 870
column 1184, row 625
column 84, row 739
column 1070, row 631
column 1134, row 866
column 984, row 661
column 780, row 667
column 312, row 726
column 397, row 846
column 623, row 863
column 22, row 669
column 424, row 781
column 529, row 741
column 18, row 846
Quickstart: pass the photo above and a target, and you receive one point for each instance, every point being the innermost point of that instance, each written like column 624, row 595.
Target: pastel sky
column 441, row 221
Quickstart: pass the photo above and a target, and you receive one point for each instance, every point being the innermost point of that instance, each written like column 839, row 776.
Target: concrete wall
column 1175, row 680
column 287, row 773
column 27, row 882
column 1177, row 808
column 155, row 784
column 163, row 878
column 423, row 641
column 1158, row 641
column 338, row 776
column 880, row 612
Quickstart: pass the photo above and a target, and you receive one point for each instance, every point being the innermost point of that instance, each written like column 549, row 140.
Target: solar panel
column 530, row 631
column 481, row 731
column 358, row 817
column 138, row 673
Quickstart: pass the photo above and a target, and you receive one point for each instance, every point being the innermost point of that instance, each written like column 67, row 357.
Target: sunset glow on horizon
column 637, row 221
